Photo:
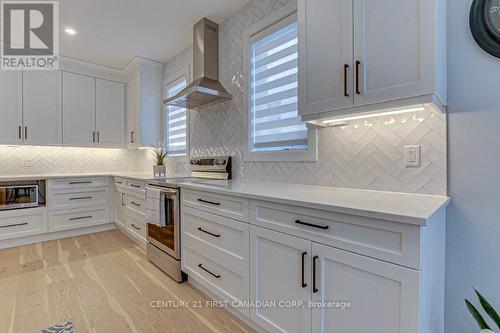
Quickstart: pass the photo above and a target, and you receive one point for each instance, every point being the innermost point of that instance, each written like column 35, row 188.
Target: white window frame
column 277, row 20
column 167, row 81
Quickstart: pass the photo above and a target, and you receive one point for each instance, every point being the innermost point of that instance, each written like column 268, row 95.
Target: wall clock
column 485, row 25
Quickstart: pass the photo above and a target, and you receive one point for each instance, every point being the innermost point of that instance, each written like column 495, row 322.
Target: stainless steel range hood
column 206, row 90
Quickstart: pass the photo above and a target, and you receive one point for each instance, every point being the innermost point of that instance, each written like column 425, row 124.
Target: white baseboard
column 196, row 285
column 5, row 244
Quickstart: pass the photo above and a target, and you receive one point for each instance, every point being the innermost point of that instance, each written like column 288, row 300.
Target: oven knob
column 195, row 162
column 220, row 162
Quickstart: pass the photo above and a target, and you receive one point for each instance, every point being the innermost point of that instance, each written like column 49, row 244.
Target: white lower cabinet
column 333, row 290
column 119, row 206
column 78, row 218
column 382, row 297
column 280, row 271
column 22, row 223
column 317, row 271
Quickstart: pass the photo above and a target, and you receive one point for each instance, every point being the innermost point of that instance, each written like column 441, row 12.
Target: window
column 275, row 130
column 175, row 126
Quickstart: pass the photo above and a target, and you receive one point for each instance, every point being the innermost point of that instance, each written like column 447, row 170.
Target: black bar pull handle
column 358, row 64
column 80, row 218
column 13, row 225
column 315, row 290
column 304, row 284
column 209, row 202
column 208, row 232
column 81, row 198
column 346, row 68
column 217, row 276
column 323, row 227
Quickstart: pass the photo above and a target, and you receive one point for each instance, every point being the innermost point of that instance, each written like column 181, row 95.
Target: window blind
column 176, row 121
column 275, row 123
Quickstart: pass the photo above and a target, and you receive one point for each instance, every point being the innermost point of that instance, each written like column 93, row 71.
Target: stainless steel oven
column 164, row 234
column 18, row 197
column 164, row 241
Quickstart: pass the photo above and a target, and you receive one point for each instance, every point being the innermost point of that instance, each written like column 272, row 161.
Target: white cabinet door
column 110, row 113
column 11, row 111
column 78, row 109
column 119, row 206
column 133, row 111
column 280, row 271
column 383, row 297
column 394, row 46
column 42, row 107
column 325, row 55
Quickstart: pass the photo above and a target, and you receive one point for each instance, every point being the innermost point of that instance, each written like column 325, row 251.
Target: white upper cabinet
column 393, row 48
column 79, row 110
column 383, row 297
column 361, row 55
column 280, row 270
column 325, row 55
column 110, row 113
column 11, row 111
column 144, row 103
column 133, row 107
column 42, row 107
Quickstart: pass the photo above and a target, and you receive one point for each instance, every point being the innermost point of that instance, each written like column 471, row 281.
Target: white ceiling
column 112, row 32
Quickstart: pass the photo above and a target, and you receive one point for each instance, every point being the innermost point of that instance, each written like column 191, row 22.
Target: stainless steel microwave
column 18, row 197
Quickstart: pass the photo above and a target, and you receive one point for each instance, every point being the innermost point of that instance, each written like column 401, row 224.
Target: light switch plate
column 412, row 156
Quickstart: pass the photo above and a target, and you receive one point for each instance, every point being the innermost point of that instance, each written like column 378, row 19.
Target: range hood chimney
column 206, row 90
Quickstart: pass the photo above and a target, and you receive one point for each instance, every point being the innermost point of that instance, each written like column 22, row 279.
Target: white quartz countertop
column 399, row 207
column 127, row 175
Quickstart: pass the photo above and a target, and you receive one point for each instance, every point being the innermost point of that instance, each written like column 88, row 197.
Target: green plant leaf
column 488, row 308
column 477, row 316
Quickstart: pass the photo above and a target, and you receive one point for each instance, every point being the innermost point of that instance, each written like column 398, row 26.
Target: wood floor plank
column 64, row 304
column 105, row 284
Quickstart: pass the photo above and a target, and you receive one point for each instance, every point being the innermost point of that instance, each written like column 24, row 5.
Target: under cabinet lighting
column 343, row 121
column 70, row 31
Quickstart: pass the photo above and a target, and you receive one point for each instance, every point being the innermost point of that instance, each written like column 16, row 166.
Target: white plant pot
column 159, row 170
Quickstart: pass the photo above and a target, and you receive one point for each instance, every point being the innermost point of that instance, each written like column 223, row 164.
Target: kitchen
column 241, row 166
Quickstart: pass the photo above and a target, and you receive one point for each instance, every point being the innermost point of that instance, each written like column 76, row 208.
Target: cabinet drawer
column 228, row 284
column 135, row 203
column 120, row 183
column 229, row 206
column 136, row 228
column 137, row 187
column 77, row 198
column 393, row 242
column 78, row 183
column 32, row 222
column 78, row 218
column 226, row 237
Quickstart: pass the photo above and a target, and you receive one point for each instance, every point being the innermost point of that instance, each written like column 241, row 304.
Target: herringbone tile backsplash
column 367, row 154
column 66, row 160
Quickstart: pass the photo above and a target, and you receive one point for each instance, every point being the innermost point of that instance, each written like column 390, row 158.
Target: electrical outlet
column 27, row 163
column 412, row 156
column 116, row 163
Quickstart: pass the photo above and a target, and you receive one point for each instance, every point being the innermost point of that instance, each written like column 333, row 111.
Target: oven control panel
column 211, row 167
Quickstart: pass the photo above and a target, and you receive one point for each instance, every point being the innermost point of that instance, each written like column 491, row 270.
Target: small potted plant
column 478, row 317
column 159, row 153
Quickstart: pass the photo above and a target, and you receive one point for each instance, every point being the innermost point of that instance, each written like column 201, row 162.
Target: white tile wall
column 366, row 155
column 25, row 160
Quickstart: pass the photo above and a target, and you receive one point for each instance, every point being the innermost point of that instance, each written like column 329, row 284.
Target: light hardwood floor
column 104, row 283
